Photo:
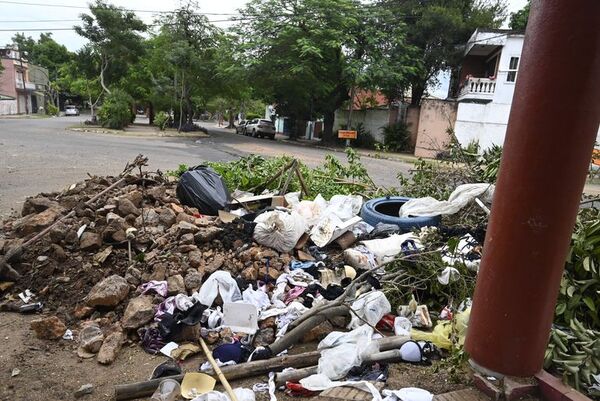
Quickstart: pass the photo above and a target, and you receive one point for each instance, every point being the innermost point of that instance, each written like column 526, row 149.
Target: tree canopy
column 518, row 20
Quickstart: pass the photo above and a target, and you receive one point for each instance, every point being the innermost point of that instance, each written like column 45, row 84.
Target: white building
column 487, row 84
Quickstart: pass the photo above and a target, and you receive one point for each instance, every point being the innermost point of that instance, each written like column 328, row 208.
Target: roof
column 368, row 99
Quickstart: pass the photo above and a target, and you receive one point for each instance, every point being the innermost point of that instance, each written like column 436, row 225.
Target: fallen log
column 244, row 370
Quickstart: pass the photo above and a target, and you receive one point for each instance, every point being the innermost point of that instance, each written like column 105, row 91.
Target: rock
column 36, row 222
column 216, row 264
column 159, row 272
column 185, row 217
column 195, row 259
column 135, row 197
column 272, row 273
column 183, row 227
column 58, row 253
column 150, row 218
column 110, row 348
column 58, row 232
column 110, row 217
column 207, row 234
column 108, row 292
column 156, row 193
column 37, row 205
column 90, row 241
column 187, row 239
column 119, row 236
column 82, row 311
column 133, row 276
column 250, row 274
column 167, row 217
column 139, row 311
column 176, row 208
column 187, row 248
column 237, row 244
column 84, row 390
column 264, row 337
column 193, row 280
column 266, row 253
column 71, row 237
column 318, row 333
column 49, row 328
column 126, row 207
column 176, row 285
column 91, row 338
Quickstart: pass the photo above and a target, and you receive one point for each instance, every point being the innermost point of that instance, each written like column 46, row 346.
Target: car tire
column 254, row 134
column 385, row 210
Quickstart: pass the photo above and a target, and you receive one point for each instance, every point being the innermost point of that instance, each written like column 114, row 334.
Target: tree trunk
column 102, row 69
column 231, row 118
column 328, row 120
column 418, row 88
column 189, row 106
column 150, row 113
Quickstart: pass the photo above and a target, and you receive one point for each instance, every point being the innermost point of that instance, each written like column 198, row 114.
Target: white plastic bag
column 242, row 394
column 310, row 210
column 369, row 307
column 462, row 195
column 340, row 352
column 279, row 230
column 258, row 298
column 220, row 282
column 386, row 249
column 402, row 326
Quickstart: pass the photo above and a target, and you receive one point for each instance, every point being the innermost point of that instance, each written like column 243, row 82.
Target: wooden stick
column 301, row 179
column 218, row 371
column 283, row 190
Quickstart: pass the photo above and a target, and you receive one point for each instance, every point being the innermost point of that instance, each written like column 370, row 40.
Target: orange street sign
column 344, row 134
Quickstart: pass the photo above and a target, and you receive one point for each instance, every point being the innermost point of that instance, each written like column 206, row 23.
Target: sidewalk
column 138, row 130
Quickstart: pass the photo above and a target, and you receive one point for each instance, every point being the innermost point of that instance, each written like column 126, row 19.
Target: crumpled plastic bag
column 462, row 195
column 219, row 283
column 340, row 352
column 369, row 307
column 386, row 249
column 204, row 189
column 440, row 336
column 279, row 229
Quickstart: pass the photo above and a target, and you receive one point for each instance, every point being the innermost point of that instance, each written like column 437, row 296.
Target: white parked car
column 71, row 111
column 260, row 128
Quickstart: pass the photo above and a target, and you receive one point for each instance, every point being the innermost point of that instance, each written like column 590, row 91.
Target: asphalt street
column 43, row 155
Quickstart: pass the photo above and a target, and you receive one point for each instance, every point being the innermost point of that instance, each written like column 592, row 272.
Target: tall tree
column 189, row 44
column 114, row 38
column 518, row 20
column 46, row 52
column 438, row 29
column 308, row 54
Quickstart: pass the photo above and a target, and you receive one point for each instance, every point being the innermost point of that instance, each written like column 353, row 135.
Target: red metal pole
column 548, row 146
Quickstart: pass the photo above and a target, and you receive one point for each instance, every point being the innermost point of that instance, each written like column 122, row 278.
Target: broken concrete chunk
column 50, row 328
column 36, row 222
column 108, row 292
column 139, row 311
column 135, row 197
column 167, row 217
column 195, row 259
column 90, row 241
column 175, row 285
column 110, row 348
column 216, row 264
column 91, row 338
column 183, row 227
column 38, row 205
column 207, row 234
column 126, row 207
column 149, row 217
column 84, row 390
column 193, row 280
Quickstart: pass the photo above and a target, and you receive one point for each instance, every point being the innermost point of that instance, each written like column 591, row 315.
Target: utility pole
column 23, row 78
column 545, row 161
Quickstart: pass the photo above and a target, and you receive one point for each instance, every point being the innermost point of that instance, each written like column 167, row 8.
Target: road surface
column 42, row 155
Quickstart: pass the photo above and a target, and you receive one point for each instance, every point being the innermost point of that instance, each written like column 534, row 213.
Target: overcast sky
column 15, row 16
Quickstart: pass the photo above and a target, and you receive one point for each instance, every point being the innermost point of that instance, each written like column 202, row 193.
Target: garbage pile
column 174, row 264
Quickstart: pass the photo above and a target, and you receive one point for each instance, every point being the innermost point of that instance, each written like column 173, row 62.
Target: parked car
column 260, row 128
column 241, row 127
column 71, row 110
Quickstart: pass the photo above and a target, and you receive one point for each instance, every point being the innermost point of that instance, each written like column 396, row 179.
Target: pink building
column 15, row 87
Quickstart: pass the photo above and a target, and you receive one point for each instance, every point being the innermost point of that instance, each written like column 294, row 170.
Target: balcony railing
column 481, row 89
column 27, row 86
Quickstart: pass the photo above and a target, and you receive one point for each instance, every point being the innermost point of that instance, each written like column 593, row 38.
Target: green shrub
column 161, row 120
column 51, row 109
column 116, row 111
column 396, row 137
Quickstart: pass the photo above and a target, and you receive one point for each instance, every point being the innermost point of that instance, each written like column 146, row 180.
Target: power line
column 90, row 7
column 38, row 20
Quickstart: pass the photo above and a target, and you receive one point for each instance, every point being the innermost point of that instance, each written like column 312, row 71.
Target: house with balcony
column 15, row 87
column 487, row 78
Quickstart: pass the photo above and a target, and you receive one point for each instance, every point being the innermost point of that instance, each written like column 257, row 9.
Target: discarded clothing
column 293, row 294
column 369, row 307
column 165, row 369
column 228, row 352
column 219, row 283
column 242, row 394
column 151, row 340
column 360, row 257
column 159, row 287
column 258, row 298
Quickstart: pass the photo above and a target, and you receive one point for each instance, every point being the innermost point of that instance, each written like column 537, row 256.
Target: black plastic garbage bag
column 204, row 189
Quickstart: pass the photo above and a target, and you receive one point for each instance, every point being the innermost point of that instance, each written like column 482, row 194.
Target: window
column 513, row 66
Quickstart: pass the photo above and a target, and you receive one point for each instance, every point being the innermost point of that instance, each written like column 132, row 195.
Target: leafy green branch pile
column 334, row 177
